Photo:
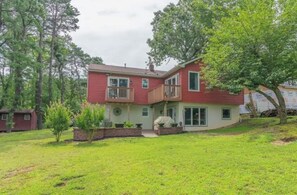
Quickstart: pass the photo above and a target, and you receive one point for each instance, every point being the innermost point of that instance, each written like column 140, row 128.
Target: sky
column 117, row 30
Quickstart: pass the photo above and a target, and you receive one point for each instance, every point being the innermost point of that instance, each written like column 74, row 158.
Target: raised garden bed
column 80, row 135
column 168, row 131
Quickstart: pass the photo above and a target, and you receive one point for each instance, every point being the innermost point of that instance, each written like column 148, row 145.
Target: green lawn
column 236, row 160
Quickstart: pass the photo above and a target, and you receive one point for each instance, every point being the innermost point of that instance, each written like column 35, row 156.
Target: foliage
column 241, row 160
column 39, row 63
column 255, row 46
column 128, row 124
column 58, row 118
column 181, row 31
column 90, row 118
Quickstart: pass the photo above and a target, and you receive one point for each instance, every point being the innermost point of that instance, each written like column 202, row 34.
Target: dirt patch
column 64, row 180
column 60, row 184
column 17, row 172
column 280, row 143
column 289, row 139
column 284, row 141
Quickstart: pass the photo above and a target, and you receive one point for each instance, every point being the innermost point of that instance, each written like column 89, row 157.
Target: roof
column 137, row 71
column 125, row 70
column 18, row 111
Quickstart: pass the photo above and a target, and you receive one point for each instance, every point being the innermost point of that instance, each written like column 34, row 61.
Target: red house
column 23, row 120
column 142, row 95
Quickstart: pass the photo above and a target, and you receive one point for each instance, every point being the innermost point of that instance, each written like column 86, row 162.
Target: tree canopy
column 256, row 45
column 39, row 62
column 181, row 31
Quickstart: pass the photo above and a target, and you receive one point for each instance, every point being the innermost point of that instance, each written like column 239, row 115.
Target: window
column 172, row 86
column 27, row 117
column 226, row 113
column 195, row 117
column 118, row 87
column 194, row 81
column 145, row 83
column 4, row 117
column 145, row 111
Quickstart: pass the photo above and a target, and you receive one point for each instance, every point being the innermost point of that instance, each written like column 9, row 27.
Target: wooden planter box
column 80, row 135
column 169, row 131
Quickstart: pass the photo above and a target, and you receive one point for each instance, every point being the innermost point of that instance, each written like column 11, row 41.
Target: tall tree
column 176, row 35
column 62, row 19
column 181, row 31
column 255, row 46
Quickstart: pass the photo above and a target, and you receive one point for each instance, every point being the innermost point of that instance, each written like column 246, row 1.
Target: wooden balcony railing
column 165, row 93
column 119, row 94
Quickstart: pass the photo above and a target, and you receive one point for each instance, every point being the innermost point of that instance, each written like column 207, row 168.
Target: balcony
column 165, row 93
column 119, row 94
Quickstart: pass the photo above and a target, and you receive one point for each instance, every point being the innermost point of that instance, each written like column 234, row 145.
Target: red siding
column 214, row 96
column 97, row 83
column 20, row 123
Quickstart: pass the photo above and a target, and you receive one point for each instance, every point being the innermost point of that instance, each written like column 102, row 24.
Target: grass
column 234, row 160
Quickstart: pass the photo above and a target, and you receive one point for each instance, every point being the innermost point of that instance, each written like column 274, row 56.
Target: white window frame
column 4, row 118
column 206, row 117
column 176, row 76
column 230, row 110
column 26, row 118
column 118, row 78
column 192, row 90
column 148, row 112
column 148, row 83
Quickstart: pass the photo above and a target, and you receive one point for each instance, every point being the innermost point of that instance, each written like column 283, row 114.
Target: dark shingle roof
column 125, row 70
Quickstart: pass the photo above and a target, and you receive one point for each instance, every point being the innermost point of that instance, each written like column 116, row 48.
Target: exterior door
column 171, row 112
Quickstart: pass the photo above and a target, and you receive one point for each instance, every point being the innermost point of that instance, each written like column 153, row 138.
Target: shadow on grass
column 96, row 144
column 56, row 144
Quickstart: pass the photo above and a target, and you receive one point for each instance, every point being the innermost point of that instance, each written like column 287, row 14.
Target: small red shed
column 23, row 120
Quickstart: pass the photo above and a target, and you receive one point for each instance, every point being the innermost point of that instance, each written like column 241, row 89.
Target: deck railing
column 119, row 94
column 164, row 93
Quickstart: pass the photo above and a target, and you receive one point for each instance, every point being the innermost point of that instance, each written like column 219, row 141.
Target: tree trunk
column 38, row 92
column 50, row 72
column 253, row 108
column 280, row 107
column 52, row 46
column 282, row 110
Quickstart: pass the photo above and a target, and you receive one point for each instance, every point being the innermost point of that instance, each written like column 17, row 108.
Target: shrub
column 58, row 118
column 90, row 118
column 128, row 124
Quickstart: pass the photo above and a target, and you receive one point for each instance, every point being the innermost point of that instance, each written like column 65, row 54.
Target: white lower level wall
column 135, row 115
column 213, row 113
column 214, row 116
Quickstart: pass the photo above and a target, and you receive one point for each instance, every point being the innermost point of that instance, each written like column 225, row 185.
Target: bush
column 128, row 124
column 90, row 118
column 58, row 118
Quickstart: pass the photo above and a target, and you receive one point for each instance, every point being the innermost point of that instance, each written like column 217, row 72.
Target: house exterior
column 261, row 103
column 23, row 120
column 142, row 95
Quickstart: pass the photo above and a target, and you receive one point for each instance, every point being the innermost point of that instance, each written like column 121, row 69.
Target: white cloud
column 117, row 30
